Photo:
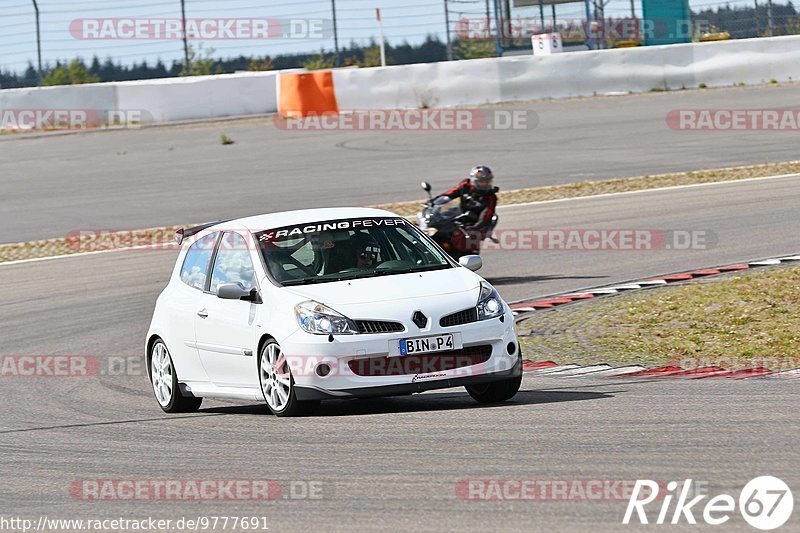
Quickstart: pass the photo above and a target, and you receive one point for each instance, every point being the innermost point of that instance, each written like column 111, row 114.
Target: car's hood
column 389, row 288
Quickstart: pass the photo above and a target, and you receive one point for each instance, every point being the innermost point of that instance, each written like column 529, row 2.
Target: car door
column 225, row 330
column 184, row 299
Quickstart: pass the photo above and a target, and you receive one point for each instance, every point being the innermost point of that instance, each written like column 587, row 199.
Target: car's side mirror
column 234, row 291
column 471, row 262
column 426, row 186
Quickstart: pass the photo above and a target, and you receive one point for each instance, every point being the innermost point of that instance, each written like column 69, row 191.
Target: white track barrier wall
column 199, row 97
column 163, row 100
column 443, row 84
column 96, row 96
column 571, row 74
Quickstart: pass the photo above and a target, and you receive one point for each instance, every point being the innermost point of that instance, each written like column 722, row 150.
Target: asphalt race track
column 391, row 463
column 395, row 463
column 740, row 221
column 177, row 175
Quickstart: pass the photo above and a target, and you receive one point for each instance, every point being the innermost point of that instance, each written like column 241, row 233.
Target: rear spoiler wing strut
column 184, row 233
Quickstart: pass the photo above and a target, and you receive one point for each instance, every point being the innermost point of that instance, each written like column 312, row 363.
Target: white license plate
column 436, row 343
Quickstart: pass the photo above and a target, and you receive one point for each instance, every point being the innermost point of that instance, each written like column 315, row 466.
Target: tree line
column 740, row 21
column 201, row 62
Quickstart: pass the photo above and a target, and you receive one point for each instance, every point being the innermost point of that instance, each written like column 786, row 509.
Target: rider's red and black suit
column 479, row 205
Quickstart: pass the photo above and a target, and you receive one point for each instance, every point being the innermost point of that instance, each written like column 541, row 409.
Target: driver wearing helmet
column 367, row 252
column 478, row 197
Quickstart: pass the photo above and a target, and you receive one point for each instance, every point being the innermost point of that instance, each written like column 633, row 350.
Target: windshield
column 339, row 250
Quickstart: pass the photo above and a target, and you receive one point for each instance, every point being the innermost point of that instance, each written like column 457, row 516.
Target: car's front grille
column 379, row 326
column 422, row 363
column 466, row 316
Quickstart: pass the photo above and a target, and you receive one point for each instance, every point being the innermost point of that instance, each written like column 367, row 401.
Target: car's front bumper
column 306, row 352
column 401, row 389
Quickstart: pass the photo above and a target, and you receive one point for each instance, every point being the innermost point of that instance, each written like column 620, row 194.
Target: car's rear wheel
column 165, row 382
column 277, row 383
column 496, row 391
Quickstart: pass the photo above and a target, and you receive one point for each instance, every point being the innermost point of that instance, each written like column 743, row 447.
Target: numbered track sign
column 547, row 43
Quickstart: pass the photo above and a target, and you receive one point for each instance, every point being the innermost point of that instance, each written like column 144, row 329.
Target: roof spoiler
column 184, row 233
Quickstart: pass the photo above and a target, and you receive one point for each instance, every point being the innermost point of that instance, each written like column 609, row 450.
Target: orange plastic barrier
column 307, row 94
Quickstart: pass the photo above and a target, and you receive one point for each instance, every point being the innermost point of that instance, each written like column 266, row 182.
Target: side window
column 198, row 257
column 233, row 263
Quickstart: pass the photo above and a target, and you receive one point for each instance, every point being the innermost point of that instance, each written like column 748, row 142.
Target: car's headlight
column 319, row 319
column 489, row 303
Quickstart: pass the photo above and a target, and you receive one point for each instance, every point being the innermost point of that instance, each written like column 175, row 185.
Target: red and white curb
column 552, row 369
column 549, row 302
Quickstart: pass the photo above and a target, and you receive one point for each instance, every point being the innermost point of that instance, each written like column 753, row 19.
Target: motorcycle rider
column 478, row 197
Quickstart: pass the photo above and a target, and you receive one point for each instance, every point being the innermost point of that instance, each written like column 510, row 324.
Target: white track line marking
column 508, row 206
column 84, row 254
column 787, row 374
column 766, row 262
column 576, row 372
column 619, row 371
column 630, row 287
column 550, row 370
column 653, row 282
column 603, row 291
column 657, row 189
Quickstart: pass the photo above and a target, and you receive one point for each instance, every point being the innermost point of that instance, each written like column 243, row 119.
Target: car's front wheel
column 165, row 382
column 496, row 391
column 277, row 383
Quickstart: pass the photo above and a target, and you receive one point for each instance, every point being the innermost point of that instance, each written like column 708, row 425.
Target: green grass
column 750, row 318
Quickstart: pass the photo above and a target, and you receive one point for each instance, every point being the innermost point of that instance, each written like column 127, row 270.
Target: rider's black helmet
column 482, row 178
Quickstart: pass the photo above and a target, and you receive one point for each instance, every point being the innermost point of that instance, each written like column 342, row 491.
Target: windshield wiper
column 311, row 281
column 363, row 275
column 410, row 270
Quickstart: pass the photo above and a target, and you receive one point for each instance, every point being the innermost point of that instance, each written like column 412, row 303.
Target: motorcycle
column 447, row 226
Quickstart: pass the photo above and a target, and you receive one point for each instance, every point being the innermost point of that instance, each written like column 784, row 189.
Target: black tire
column 293, row 406
column 178, row 403
column 496, row 391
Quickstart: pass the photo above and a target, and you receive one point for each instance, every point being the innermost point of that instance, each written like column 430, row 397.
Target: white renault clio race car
column 293, row 308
